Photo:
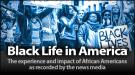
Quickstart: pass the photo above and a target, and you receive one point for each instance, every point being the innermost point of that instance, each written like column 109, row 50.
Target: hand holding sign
column 114, row 37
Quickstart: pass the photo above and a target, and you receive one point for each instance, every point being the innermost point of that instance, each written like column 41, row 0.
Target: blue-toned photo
column 67, row 35
column 93, row 24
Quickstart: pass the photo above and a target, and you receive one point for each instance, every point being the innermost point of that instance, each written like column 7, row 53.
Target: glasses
column 107, row 15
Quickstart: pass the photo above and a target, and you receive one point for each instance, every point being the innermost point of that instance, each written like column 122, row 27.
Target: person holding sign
column 87, row 31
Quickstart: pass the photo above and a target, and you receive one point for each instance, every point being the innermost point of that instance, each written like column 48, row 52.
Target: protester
column 106, row 19
column 68, row 33
column 87, row 32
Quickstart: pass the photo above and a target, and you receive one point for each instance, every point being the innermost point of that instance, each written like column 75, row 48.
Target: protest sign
column 116, row 37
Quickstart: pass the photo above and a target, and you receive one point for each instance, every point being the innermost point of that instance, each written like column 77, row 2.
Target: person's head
column 3, row 35
column 93, row 17
column 10, row 15
column 71, row 10
column 9, row 19
column 129, row 2
column 80, row 14
column 106, row 14
column 132, row 12
column 68, row 9
column 3, row 26
column 34, row 10
column 115, row 9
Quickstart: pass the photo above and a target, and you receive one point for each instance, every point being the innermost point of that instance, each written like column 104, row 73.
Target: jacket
column 87, row 34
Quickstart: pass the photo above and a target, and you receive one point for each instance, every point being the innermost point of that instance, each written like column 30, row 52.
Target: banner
column 51, row 4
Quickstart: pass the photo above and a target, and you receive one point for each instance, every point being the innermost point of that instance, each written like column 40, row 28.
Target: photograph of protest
column 67, row 24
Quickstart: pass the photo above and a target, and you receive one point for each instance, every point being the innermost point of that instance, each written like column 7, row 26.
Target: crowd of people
column 69, row 26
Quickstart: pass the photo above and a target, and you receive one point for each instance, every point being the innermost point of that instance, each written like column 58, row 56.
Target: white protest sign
column 116, row 37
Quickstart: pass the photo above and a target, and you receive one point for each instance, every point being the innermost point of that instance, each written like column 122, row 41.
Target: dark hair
column 5, row 1
column 118, row 8
column 116, row 5
column 87, row 15
column 105, row 12
column 65, row 10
